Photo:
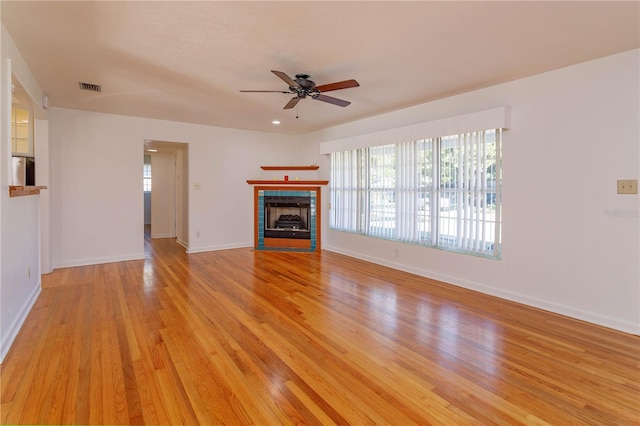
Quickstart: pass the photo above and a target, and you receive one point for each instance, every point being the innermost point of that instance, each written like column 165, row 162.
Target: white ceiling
column 187, row 61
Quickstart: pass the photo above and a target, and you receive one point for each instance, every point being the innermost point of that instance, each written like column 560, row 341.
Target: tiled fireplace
column 287, row 218
column 287, row 212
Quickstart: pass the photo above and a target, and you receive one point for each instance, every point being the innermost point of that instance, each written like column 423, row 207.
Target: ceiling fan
column 302, row 87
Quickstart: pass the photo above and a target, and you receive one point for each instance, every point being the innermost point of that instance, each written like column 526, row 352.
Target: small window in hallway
column 146, row 175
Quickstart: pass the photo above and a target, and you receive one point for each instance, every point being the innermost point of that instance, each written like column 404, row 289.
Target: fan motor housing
column 304, row 82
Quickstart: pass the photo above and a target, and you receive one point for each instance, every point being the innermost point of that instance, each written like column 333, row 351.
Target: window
column 146, row 177
column 21, row 131
column 439, row 192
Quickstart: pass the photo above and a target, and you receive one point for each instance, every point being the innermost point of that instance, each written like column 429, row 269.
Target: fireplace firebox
column 287, row 216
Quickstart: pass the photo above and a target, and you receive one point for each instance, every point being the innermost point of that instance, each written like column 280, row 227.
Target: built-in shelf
column 287, row 182
column 23, row 191
column 289, row 167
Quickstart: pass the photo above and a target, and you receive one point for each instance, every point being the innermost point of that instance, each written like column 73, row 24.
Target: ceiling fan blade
column 337, row 86
column 331, row 100
column 265, row 91
column 293, row 102
column 286, row 78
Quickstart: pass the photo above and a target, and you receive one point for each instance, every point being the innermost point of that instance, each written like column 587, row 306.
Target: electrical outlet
column 197, row 187
column 628, row 186
column 198, row 234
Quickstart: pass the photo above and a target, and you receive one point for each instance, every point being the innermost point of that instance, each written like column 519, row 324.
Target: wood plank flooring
column 267, row 338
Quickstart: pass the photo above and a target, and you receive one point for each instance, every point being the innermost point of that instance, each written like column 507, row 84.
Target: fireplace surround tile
column 261, row 219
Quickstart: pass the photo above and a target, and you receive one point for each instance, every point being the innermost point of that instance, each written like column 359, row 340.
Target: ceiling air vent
column 90, row 87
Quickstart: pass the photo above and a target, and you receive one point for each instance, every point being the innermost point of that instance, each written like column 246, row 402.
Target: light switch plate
column 628, row 186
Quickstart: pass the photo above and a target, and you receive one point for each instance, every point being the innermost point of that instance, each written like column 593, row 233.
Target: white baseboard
column 165, row 235
column 10, row 335
column 192, row 250
column 547, row 305
column 99, row 260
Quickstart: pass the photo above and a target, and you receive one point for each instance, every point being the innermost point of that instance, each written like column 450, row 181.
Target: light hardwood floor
column 267, row 338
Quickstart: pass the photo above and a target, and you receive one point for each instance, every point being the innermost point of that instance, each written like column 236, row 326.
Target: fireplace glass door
column 287, row 217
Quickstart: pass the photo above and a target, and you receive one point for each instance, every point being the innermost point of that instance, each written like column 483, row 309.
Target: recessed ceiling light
column 152, row 150
column 276, row 122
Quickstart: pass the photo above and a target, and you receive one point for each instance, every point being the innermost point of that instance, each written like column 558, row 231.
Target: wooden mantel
column 290, row 167
column 287, row 182
column 23, row 191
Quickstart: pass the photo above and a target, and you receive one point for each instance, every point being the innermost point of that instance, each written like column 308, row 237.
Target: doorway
column 166, row 190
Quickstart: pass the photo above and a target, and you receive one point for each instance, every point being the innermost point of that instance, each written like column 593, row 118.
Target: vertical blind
column 441, row 192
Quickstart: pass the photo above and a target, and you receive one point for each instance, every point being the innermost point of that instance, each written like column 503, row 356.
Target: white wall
column 19, row 216
column 182, row 195
column 96, row 201
column 41, row 142
column 163, row 195
column 97, row 204
column 147, row 208
column 570, row 242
